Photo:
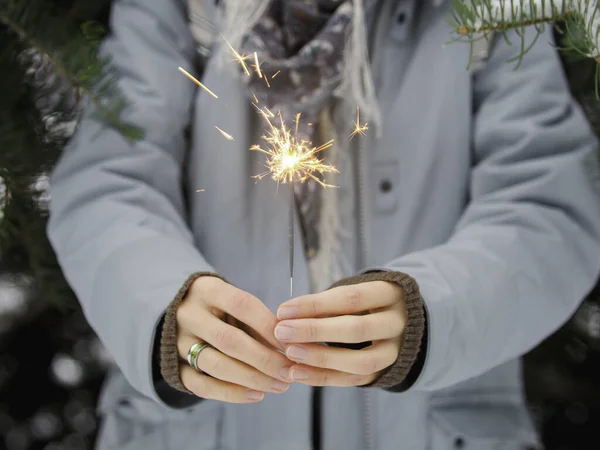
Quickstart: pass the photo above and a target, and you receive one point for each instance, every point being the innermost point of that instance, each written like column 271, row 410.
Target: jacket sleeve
column 527, row 249
column 117, row 216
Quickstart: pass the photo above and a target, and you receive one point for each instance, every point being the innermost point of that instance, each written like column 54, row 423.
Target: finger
column 223, row 367
column 206, row 387
column 315, row 376
column 386, row 324
column 368, row 361
column 235, row 343
column 342, row 300
column 247, row 309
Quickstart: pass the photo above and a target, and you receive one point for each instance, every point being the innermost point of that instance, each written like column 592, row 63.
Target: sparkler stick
column 292, row 202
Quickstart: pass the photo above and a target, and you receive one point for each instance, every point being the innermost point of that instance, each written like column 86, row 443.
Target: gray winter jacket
column 484, row 189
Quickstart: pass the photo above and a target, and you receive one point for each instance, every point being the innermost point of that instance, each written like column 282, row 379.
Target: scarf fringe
column 359, row 78
column 330, row 263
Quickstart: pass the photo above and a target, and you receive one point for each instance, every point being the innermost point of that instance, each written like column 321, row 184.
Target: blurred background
column 51, row 363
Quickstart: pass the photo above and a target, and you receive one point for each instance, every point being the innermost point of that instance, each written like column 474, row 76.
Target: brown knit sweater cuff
column 415, row 324
column 169, row 355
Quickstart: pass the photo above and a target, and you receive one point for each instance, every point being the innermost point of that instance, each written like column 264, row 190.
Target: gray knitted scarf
column 317, row 49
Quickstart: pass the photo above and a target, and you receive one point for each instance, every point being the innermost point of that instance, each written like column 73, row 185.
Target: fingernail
column 297, row 353
column 255, row 395
column 279, row 386
column 287, row 312
column 285, row 373
column 299, row 374
column 283, row 332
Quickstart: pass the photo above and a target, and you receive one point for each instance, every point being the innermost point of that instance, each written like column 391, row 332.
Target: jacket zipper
column 365, row 260
column 317, row 396
column 363, row 232
column 369, row 438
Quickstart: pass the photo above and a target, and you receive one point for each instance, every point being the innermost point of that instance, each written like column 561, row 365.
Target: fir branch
column 472, row 19
column 73, row 55
column 31, row 143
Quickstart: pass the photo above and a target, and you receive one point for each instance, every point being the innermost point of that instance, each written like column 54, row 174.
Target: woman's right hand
column 243, row 362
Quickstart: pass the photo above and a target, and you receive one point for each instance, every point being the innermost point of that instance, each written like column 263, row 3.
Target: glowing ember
column 225, row 135
column 257, row 65
column 241, row 59
column 191, row 77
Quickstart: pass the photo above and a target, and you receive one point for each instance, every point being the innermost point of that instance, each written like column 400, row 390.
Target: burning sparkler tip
column 289, row 158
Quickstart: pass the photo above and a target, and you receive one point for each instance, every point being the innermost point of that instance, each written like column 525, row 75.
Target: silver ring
column 194, row 352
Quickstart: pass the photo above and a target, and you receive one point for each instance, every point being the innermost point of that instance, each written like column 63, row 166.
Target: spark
column 225, row 135
column 257, row 65
column 275, row 74
column 255, row 98
column 290, row 159
column 200, row 190
column 267, row 82
column 358, row 128
column 191, row 77
column 297, row 121
column 266, row 116
column 241, row 59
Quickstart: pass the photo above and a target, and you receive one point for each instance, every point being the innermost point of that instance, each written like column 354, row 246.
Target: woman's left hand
column 372, row 311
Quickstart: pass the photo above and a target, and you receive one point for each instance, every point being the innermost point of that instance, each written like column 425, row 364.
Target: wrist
column 169, row 355
column 413, row 308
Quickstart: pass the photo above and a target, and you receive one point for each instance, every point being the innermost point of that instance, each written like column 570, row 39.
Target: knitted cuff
column 415, row 324
column 169, row 355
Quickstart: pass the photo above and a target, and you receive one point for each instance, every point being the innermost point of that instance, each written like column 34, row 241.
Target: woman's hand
column 372, row 311
column 243, row 362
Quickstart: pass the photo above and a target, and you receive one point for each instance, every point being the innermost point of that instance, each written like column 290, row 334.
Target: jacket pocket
column 131, row 421
column 476, row 425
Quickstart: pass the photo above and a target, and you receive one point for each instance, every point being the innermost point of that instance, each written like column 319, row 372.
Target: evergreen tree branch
column 30, row 146
column 476, row 19
column 73, row 54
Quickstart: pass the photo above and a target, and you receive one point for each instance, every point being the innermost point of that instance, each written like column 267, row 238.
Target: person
column 463, row 228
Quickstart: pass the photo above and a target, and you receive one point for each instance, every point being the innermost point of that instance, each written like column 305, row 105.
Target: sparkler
column 289, row 160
